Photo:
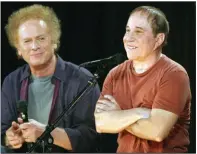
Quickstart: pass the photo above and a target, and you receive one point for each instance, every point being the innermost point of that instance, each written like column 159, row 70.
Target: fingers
column 105, row 102
column 25, row 126
column 10, row 133
column 103, row 105
column 15, row 126
column 34, row 122
column 17, row 146
column 101, row 108
column 30, row 132
column 111, row 98
column 108, row 98
column 28, row 137
column 14, row 136
column 12, row 130
column 28, row 140
column 14, row 142
column 98, row 110
column 24, row 133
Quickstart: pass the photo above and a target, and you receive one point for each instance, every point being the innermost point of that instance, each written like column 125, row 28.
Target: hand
column 107, row 104
column 32, row 130
column 14, row 138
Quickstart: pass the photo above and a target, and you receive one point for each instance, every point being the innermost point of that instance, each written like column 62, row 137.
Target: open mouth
column 131, row 47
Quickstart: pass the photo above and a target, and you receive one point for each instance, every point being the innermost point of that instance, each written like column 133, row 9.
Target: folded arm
column 169, row 102
column 156, row 127
column 144, row 123
column 111, row 119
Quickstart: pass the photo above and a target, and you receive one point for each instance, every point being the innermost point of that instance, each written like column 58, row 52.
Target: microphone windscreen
column 22, row 110
column 119, row 58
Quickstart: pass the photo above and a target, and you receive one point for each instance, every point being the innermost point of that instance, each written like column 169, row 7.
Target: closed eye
column 42, row 38
column 139, row 31
column 127, row 30
column 27, row 41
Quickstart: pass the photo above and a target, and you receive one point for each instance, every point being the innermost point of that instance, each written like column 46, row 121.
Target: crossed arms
column 144, row 123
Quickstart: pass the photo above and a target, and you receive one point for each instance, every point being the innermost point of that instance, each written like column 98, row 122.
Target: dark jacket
column 69, row 80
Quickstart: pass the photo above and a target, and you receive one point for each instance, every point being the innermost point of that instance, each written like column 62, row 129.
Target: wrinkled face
column 139, row 41
column 34, row 42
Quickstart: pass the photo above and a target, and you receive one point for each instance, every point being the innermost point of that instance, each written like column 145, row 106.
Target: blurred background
column 94, row 30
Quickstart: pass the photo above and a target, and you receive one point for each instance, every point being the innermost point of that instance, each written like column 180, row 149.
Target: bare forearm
column 61, row 138
column 155, row 128
column 116, row 121
column 144, row 129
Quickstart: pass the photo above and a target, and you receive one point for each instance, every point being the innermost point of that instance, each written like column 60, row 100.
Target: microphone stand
column 46, row 139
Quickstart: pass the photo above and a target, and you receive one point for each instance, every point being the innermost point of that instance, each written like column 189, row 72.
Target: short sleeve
column 107, row 88
column 174, row 92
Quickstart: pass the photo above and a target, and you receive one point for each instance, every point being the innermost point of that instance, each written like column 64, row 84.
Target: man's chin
column 36, row 64
column 131, row 57
column 134, row 57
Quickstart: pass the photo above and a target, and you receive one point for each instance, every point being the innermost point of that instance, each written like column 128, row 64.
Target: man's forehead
column 138, row 17
column 32, row 28
column 32, row 22
column 138, row 20
column 42, row 23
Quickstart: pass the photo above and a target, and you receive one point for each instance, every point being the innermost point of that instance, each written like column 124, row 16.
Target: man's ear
column 19, row 52
column 160, row 39
column 54, row 46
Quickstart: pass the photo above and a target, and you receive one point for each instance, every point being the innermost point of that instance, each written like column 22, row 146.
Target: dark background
column 94, row 30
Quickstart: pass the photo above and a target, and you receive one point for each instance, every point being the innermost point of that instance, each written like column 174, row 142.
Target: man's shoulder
column 75, row 70
column 121, row 68
column 76, row 75
column 170, row 65
column 17, row 73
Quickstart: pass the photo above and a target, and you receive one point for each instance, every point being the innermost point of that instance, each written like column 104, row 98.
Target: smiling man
column 48, row 84
column 147, row 98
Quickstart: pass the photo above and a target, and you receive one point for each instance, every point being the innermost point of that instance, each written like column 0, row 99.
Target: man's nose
column 130, row 37
column 35, row 45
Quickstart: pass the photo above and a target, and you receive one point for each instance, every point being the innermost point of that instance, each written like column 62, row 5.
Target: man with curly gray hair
column 48, row 84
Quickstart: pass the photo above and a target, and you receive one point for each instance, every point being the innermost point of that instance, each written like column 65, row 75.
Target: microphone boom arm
column 46, row 137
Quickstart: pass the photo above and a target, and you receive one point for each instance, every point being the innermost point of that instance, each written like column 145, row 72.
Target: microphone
column 112, row 60
column 22, row 110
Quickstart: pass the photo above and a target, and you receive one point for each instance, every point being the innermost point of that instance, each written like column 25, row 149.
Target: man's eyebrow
column 41, row 35
column 137, row 27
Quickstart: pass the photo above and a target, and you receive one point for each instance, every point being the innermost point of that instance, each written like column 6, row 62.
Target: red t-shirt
column 164, row 86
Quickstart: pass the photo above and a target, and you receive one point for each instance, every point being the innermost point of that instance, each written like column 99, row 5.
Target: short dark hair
column 156, row 18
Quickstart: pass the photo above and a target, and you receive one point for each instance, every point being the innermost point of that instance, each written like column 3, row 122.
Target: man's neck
column 142, row 66
column 46, row 69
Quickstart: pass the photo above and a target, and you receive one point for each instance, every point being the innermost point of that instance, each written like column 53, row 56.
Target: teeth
column 132, row 47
